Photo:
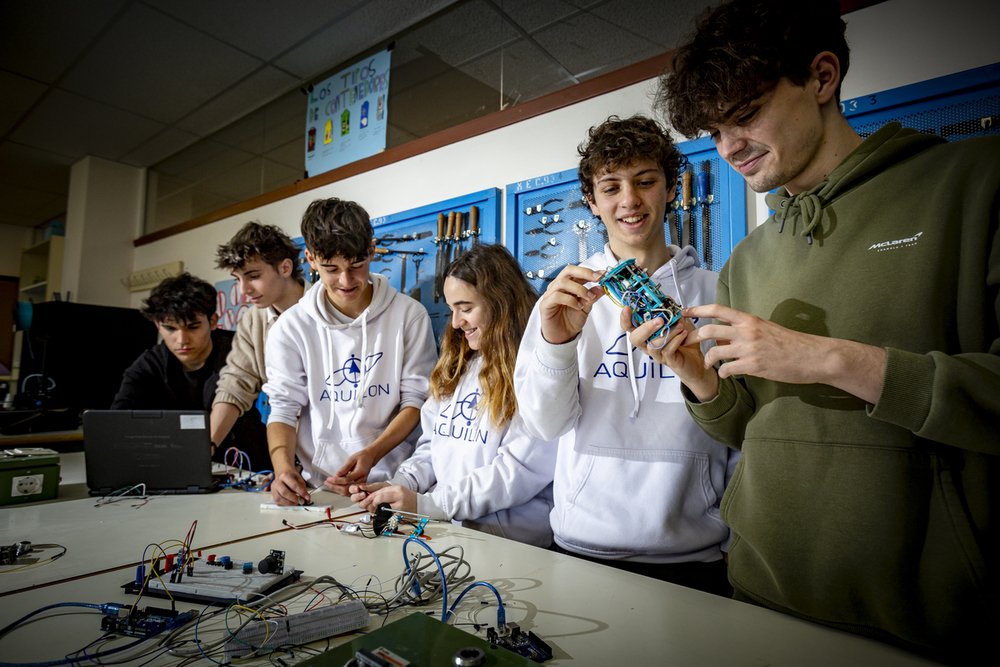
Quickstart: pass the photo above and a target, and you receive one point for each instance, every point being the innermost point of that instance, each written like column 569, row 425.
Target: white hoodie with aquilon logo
column 465, row 469
column 342, row 383
column 636, row 478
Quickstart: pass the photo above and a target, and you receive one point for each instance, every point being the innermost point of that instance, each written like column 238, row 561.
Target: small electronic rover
column 628, row 285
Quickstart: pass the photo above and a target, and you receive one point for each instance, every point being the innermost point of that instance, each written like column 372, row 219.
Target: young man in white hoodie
column 637, row 483
column 347, row 366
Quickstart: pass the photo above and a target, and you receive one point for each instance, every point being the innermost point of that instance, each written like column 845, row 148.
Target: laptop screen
column 167, row 450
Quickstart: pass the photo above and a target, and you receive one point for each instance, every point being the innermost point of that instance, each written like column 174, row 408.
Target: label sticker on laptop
column 192, row 422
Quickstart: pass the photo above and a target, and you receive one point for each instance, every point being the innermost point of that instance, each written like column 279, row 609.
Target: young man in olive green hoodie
column 857, row 363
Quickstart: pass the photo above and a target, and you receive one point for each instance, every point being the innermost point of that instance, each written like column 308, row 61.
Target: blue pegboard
column 549, row 225
column 956, row 106
column 418, row 221
column 544, row 245
column 726, row 206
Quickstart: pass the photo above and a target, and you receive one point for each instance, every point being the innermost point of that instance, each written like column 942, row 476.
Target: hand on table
column 399, row 498
column 288, row 488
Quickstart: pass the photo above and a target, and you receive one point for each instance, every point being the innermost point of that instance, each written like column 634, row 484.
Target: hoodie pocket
column 331, row 455
column 660, row 505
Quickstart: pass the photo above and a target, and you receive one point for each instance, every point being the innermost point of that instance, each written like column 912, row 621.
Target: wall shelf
column 41, row 270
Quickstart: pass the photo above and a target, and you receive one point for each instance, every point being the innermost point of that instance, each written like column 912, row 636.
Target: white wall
column 533, row 147
column 103, row 214
column 13, row 240
column 894, row 43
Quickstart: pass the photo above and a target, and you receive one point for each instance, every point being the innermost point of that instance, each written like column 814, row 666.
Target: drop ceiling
column 136, row 81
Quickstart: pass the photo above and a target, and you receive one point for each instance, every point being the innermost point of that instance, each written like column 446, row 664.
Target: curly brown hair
column 268, row 242
column 181, row 298
column 337, row 228
column 618, row 143
column 739, row 51
column 498, row 279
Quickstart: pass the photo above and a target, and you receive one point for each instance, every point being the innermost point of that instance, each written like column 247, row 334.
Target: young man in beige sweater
column 264, row 261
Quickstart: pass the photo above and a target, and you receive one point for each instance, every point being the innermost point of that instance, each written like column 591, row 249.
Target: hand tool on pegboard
column 474, row 225
column 552, row 242
column 673, row 230
column 449, row 240
column 389, row 239
column 415, row 292
column 460, row 234
column 439, row 241
column 705, row 199
column 687, row 234
column 582, row 230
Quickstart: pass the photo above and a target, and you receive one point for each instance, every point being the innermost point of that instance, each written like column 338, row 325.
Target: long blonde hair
column 498, row 279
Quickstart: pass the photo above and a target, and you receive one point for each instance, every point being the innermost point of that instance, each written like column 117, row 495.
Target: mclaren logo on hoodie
column 897, row 244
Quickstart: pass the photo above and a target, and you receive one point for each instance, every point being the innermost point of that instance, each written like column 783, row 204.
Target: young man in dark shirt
column 181, row 372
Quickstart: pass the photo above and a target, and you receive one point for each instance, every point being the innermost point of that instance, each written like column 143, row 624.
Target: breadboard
column 297, row 629
column 215, row 582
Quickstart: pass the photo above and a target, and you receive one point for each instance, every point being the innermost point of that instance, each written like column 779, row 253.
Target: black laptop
column 167, row 450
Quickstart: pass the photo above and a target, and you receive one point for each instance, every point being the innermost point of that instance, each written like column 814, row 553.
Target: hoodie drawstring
column 362, row 388
column 329, row 373
column 632, row 381
column 808, row 206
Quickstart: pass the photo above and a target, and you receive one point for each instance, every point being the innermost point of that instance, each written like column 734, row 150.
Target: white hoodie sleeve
column 547, row 384
column 286, row 385
column 419, row 357
column 522, row 468
column 417, row 472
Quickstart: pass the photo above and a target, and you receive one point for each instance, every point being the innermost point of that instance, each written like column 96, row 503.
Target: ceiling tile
column 152, row 65
column 27, row 202
column 72, row 126
column 41, row 39
column 257, row 26
column 291, row 155
column 159, row 147
column 653, row 20
column 231, row 105
column 19, row 94
column 365, row 28
column 34, row 168
column 532, row 15
column 571, row 43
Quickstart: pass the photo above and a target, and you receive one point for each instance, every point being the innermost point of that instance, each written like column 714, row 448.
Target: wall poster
column 347, row 115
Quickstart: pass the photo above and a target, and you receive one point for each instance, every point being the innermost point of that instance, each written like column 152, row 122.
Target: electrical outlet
column 27, row 485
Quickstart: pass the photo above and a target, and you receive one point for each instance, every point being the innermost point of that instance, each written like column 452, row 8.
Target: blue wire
column 70, row 661
column 196, row 642
column 444, row 583
column 501, row 614
column 21, row 620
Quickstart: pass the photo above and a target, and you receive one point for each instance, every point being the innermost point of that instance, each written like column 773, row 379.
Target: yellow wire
column 613, row 298
column 267, row 626
column 152, row 568
column 21, row 567
column 167, row 591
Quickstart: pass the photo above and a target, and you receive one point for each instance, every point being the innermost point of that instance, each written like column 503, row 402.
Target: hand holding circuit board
column 566, row 304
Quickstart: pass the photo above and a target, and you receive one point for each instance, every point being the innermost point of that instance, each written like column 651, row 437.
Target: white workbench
column 115, row 535
column 590, row 614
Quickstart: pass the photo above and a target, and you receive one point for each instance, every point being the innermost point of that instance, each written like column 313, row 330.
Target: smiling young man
column 637, row 483
column 347, row 366
column 858, row 339
column 181, row 372
column 265, row 263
